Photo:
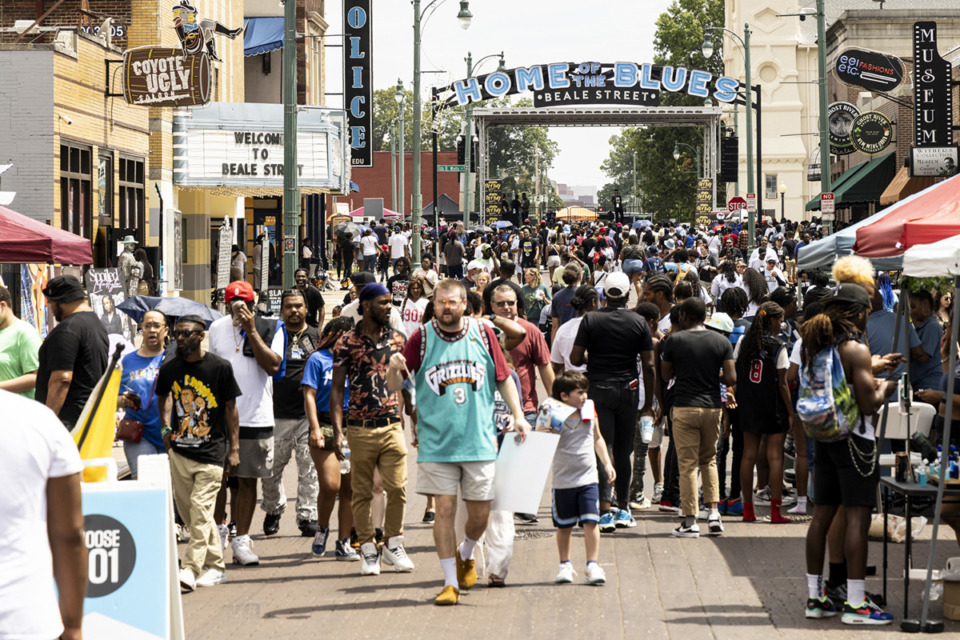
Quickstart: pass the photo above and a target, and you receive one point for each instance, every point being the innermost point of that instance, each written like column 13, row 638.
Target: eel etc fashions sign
column 564, row 84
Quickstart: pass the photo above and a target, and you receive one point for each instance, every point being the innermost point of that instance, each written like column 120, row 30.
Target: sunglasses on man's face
column 505, row 303
column 185, row 333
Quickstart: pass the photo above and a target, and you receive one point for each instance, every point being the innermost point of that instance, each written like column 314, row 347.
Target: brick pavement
column 747, row 583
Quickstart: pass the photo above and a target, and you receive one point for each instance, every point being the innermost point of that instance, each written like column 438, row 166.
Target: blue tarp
column 263, row 35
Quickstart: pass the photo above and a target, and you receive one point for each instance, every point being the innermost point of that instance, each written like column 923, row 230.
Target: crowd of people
column 671, row 348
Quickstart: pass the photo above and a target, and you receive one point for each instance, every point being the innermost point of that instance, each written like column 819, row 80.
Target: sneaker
column 822, row 608
column 735, row 507
column 188, row 581
column 722, row 507
column 683, row 531
column 640, row 502
column 224, row 536
column 526, row 518
column 429, row 516
column 798, row 510
column 594, row 574
column 271, row 523
column 565, row 576
column 715, row 525
column 346, row 552
column 667, row 507
column 837, row 595
column 607, row 524
column 790, row 476
column 308, row 528
column 396, row 556
column 466, row 572
column 762, row 497
column 242, row 554
column 657, row 493
column 211, row 578
column 319, row 545
column 369, row 559
column 866, row 613
column 354, row 540
column 624, row 520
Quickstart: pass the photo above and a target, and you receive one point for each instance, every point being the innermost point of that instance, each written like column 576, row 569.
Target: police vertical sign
column 358, row 79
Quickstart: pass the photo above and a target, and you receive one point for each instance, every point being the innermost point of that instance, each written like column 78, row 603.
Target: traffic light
column 729, row 159
column 474, row 152
column 461, row 150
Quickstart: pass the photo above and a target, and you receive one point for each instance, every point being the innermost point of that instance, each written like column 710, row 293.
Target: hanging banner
column 840, row 117
column 358, row 79
column 869, row 69
column 871, row 132
column 491, row 201
column 704, row 201
column 933, row 100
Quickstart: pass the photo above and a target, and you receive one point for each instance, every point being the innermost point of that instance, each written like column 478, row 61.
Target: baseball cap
column 474, row 264
column 64, row 289
column 783, row 296
column 238, row 289
column 720, row 322
column 616, row 285
column 360, row 278
column 850, row 293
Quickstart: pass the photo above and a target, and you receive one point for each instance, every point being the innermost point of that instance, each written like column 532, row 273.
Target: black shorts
column 580, row 504
column 839, row 478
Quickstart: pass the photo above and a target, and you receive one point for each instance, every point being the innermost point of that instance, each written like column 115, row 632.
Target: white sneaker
column 657, row 493
column 565, row 576
column 395, row 555
column 594, row 574
column 211, row 578
column 798, row 510
column 224, row 536
column 188, row 581
column 369, row 559
column 242, row 554
column 715, row 525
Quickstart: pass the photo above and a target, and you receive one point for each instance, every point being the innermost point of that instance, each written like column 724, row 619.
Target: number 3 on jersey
column 459, row 395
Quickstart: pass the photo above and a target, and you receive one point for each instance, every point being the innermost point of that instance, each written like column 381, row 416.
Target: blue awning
column 354, row 186
column 263, row 35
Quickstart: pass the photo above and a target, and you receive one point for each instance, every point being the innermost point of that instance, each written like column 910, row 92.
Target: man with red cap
column 254, row 347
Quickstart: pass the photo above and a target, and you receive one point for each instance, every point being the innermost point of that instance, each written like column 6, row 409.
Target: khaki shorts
column 256, row 458
column 475, row 479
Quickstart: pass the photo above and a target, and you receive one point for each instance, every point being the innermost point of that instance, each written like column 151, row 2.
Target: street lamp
column 464, row 16
column 468, row 149
column 399, row 96
column 783, row 194
column 707, row 50
column 696, row 157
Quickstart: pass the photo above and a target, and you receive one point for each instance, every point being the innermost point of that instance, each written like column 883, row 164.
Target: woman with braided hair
column 755, row 287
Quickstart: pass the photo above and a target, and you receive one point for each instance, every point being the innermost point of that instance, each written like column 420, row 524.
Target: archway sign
column 595, row 94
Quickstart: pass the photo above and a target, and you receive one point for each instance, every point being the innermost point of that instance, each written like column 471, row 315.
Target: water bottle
column 922, row 473
column 345, row 463
column 646, row 429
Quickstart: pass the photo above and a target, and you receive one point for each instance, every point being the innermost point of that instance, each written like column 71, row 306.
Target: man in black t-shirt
column 199, row 390
column 695, row 357
column 291, row 431
column 397, row 283
column 73, row 358
column 313, row 297
column 614, row 338
column 529, row 250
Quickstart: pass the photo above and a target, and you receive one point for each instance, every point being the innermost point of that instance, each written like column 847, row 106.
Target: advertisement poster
column 491, row 201
column 105, row 290
column 179, row 251
column 33, row 304
column 224, row 251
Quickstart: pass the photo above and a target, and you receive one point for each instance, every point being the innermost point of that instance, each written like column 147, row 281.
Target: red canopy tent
column 924, row 218
column 387, row 213
column 25, row 240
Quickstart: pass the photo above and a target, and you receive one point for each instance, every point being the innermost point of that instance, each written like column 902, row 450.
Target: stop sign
column 736, row 204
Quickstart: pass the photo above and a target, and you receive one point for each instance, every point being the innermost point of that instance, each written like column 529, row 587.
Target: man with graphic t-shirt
column 199, row 390
column 457, row 366
column 397, row 283
column 529, row 250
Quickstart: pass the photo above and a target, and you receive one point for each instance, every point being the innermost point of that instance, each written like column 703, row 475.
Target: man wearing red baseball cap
column 254, row 347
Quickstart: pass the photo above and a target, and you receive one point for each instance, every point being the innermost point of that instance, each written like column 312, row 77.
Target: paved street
column 747, row 583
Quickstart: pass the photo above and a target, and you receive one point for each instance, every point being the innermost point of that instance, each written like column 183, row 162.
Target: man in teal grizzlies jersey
column 457, row 365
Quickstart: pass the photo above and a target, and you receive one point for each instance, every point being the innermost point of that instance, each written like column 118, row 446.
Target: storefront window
column 105, row 189
column 76, row 186
column 131, row 195
column 770, row 191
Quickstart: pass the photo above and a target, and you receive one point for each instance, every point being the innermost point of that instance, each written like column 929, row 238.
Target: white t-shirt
column 306, row 252
column 398, row 242
column 563, row 344
column 664, row 324
column 255, row 406
column 368, row 244
column 39, row 448
column 411, row 313
column 352, row 311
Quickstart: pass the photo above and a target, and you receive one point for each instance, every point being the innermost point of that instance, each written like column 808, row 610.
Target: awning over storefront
column 902, row 186
column 263, row 35
column 862, row 183
column 25, row 240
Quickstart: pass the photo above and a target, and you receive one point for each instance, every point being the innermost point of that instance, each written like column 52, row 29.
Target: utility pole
column 467, row 150
column 822, row 89
column 636, row 198
column 291, row 190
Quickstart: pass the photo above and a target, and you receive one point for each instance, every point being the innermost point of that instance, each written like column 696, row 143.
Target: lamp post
column 291, row 188
column 399, row 95
column 783, row 194
column 393, row 165
column 468, row 148
column 676, row 156
column 636, row 199
column 464, row 16
column 707, row 51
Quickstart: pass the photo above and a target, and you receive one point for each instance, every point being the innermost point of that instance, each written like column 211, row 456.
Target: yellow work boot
column 466, row 572
column 449, row 596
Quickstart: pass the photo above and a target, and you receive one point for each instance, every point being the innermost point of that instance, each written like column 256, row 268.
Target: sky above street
column 528, row 32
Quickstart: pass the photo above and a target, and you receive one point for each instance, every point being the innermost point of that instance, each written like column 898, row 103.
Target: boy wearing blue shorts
column 576, row 496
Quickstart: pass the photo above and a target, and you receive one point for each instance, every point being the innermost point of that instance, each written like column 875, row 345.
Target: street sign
column 751, row 203
column 451, row 167
column 826, row 203
column 736, row 204
column 828, row 217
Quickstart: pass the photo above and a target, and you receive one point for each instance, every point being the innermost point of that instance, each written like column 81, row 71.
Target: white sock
column 713, row 514
column 814, row 586
column 449, row 566
column 466, row 548
column 802, row 502
column 855, row 592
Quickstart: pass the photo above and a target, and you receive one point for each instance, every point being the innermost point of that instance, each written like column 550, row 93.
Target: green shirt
column 19, row 349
